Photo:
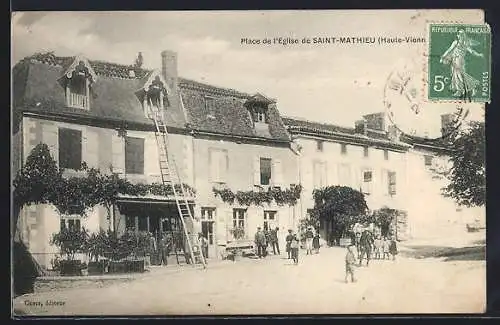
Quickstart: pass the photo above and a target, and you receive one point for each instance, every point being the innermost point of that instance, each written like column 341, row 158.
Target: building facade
column 98, row 113
column 364, row 158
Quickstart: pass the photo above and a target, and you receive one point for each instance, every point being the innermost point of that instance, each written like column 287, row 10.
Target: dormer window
column 260, row 115
column 153, row 96
column 155, row 93
column 77, row 80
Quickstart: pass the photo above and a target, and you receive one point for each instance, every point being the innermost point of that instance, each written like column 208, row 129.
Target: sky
column 320, row 82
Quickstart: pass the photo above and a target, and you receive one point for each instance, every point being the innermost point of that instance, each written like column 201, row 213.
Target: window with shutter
column 367, row 181
column 70, row 148
column 265, row 171
column 134, row 155
column 219, row 163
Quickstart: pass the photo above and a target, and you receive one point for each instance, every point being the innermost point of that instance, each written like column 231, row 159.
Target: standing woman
column 316, row 242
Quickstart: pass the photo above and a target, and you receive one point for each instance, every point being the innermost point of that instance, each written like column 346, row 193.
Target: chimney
column 447, row 123
column 360, row 127
column 376, row 121
column 169, row 69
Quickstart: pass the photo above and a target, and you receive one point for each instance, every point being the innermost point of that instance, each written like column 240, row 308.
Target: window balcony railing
column 78, row 101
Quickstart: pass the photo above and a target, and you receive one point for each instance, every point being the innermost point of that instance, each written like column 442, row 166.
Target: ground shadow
column 470, row 253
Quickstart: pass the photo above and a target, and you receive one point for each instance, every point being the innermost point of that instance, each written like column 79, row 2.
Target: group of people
column 383, row 247
column 264, row 238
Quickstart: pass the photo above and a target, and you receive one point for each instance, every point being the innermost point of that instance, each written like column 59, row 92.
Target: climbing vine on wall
column 287, row 196
column 41, row 181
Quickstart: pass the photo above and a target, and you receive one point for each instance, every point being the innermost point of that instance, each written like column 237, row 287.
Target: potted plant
column 96, row 247
column 238, row 234
column 70, row 242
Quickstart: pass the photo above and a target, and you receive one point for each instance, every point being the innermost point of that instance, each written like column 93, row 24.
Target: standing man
column 309, row 240
column 204, row 245
column 289, row 239
column 274, row 240
column 260, row 242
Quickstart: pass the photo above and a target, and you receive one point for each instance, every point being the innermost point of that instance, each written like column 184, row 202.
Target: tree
column 468, row 174
column 341, row 205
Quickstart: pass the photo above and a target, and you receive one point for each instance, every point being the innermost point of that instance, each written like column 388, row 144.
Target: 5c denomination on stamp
column 459, row 62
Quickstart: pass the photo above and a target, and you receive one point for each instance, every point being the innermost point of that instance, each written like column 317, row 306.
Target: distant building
column 392, row 170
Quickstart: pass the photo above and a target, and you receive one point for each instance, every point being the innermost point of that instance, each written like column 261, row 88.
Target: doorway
column 208, row 218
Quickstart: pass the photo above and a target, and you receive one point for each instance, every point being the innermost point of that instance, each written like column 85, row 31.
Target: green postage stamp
column 459, row 62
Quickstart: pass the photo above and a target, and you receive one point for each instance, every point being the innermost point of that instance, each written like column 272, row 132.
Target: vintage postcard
column 249, row 162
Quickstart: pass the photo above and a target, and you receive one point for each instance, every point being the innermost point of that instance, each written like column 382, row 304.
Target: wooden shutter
column 91, row 144
column 50, row 138
column 151, row 159
column 256, row 171
column 277, row 173
column 118, row 149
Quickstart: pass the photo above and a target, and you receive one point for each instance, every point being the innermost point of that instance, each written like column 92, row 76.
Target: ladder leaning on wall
column 170, row 176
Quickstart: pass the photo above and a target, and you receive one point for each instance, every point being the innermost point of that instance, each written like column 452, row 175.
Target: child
column 385, row 245
column 378, row 247
column 295, row 249
column 393, row 248
column 350, row 262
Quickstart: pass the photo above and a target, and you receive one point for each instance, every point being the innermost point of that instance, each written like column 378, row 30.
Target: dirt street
column 425, row 278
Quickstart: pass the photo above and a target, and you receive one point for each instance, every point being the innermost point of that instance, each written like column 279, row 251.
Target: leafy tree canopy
column 468, row 173
column 334, row 202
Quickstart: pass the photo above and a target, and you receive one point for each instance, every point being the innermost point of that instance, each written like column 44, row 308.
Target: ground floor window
column 239, row 219
column 207, row 224
column 269, row 220
column 70, row 223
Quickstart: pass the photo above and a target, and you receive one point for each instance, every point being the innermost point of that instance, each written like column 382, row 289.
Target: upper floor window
column 70, row 148
column 219, row 165
column 319, row 145
column 265, row 171
column 386, row 154
column 134, row 155
column 367, row 181
column 319, row 174
column 392, row 182
column 343, row 148
column 365, row 151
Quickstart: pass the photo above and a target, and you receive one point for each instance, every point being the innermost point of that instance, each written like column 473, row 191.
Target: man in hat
column 260, row 242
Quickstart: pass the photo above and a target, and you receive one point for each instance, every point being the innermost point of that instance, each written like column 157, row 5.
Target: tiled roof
column 299, row 126
column 36, row 89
